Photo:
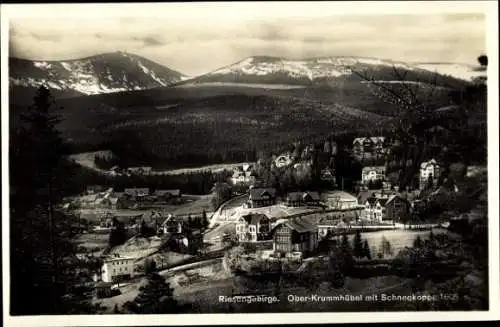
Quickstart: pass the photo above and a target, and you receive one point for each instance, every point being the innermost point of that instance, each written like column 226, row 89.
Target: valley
column 268, row 175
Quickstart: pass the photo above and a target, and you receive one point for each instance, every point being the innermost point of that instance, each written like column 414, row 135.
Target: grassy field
column 96, row 214
column 95, row 242
column 138, row 247
column 399, row 239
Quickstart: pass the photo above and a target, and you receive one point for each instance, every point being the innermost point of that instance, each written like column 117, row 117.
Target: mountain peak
column 103, row 73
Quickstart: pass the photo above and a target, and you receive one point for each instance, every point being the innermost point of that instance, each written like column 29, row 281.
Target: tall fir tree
column 205, row 220
column 357, row 245
column 40, row 236
column 155, row 296
column 366, row 250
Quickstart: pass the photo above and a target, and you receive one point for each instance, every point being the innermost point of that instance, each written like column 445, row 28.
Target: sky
column 195, row 40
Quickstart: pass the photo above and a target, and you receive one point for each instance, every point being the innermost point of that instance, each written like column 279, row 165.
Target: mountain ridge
column 104, row 73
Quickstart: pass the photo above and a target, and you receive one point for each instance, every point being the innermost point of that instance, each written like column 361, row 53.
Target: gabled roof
column 314, row 195
column 425, row 164
column 135, row 191
column 378, row 169
column 358, row 140
column 170, row 219
column 394, row 196
column 377, row 139
column 247, row 167
column 300, row 225
column 113, row 200
column 258, row 193
column 373, row 201
column 254, row 218
column 297, row 196
column 364, row 195
column 341, row 195
column 382, row 202
column 293, row 196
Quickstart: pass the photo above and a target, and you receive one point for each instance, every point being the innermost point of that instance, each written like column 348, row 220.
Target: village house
column 116, row 269
column 171, row 225
column 283, row 160
column 88, row 201
column 253, row 227
column 374, row 209
column 429, row 171
column 372, row 174
column 243, row 175
column 339, row 200
column 136, row 194
column 153, row 219
column 295, row 235
column 368, row 146
column 108, row 202
column 167, row 195
column 384, row 205
column 397, row 208
column 261, row 197
column 297, row 199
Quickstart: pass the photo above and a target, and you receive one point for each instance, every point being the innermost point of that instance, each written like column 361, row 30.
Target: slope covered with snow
column 106, row 73
column 329, row 70
column 460, row 71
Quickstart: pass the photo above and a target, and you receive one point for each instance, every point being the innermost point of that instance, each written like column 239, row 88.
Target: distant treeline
column 191, row 183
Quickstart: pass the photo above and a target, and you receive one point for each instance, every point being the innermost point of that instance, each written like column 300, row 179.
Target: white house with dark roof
column 295, row 235
column 171, row 225
column 253, row 227
column 362, row 146
column 372, row 173
column 297, row 199
column 117, row 268
column 261, row 197
column 137, row 192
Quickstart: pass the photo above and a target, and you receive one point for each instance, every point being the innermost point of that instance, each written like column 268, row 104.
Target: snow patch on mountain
column 311, row 68
column 42, row 64
column 151, row 73
column 460, row 71
column 105, row 73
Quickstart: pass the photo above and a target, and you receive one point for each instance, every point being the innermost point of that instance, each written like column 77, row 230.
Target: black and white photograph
column 183, row 159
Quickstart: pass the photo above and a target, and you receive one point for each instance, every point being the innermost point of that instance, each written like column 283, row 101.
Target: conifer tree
column 40, row 236
column 155, row 296
column 366, row 250
column 357, row 245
